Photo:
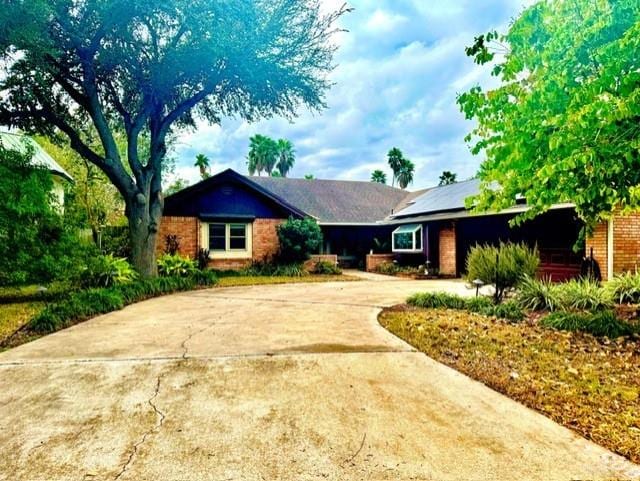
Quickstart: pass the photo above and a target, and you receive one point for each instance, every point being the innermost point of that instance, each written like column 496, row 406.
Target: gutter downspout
column 610, row 249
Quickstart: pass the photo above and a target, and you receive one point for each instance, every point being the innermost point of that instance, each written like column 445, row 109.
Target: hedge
column 82, row 305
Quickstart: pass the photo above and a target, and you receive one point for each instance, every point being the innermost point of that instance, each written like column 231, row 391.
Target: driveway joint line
column 289, row 301
column 222, row 357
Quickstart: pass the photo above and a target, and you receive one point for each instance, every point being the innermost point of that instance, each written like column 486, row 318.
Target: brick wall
column 188, row 231
column 626, row 244
column 447, row 250
column 598, row 242
column 265, row 238
column 374, row 260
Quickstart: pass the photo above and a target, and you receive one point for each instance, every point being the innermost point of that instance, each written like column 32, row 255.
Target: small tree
column 503, row 267
column 299, row 238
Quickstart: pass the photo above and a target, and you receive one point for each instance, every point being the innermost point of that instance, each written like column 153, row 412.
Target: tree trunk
column 144, row 215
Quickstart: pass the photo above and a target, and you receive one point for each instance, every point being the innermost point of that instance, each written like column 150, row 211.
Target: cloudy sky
column 400, row 67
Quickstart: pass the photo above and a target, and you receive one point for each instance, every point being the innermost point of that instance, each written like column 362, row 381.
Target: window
column 237, row 237
column 407, row 238
column 229, row 238
column 217, row 237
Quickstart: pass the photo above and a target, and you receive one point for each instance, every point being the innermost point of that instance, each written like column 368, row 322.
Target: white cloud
column 401, row 65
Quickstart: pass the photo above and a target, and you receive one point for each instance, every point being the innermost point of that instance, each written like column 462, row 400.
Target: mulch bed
column 589, row 385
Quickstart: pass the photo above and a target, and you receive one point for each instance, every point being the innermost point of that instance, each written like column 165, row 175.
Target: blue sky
column 400, row 66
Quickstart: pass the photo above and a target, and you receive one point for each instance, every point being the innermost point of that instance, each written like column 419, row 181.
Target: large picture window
column 228, row 238
column 407, row 238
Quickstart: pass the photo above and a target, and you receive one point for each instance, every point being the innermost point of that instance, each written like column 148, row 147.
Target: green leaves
column 563, row 125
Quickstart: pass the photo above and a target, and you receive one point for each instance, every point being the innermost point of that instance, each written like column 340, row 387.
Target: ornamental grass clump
column 583, row 295
column 538, row 294
column 504, row 266
column 600, row 324
column 625, row 288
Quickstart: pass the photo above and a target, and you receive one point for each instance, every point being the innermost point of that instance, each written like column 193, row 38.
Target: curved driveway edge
column 287, row 382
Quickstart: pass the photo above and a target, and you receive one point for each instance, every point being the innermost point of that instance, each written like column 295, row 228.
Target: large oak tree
column 564, row 123
column 90, row 69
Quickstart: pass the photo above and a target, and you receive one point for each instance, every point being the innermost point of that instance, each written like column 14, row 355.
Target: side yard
column 588, row 384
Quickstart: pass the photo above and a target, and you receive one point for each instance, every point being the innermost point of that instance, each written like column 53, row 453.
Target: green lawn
column 588, row 384
column 14, row 316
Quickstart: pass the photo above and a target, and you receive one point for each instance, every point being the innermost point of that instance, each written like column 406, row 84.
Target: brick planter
column 374, row 260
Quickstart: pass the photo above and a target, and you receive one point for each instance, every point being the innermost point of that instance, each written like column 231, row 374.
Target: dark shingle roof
column 336, row 201
column 442, row 199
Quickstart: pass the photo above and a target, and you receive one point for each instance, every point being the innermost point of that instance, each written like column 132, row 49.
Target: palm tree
column 395, row 158
column 447, row 178
column 286, row 156
column 262, row 154
column 202, row 162
column 405, row 174
column 379, row 177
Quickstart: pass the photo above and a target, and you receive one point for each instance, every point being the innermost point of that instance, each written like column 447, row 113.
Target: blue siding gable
column 226, row 195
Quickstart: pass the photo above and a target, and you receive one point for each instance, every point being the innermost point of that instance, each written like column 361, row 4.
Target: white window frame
column 417, row 234
column 228, row 252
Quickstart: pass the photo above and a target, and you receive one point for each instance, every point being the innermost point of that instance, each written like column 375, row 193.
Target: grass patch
column 509, row 310
column 587, row 384
column 14, row 316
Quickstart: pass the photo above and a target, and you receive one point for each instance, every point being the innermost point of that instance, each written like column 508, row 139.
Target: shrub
column 600, row 324
column 538, row 295
column 269, row 269
column 510, row 311
column 437, row 300
column 107, row 271
column 625, row 288
column 85, row 304
column 583, row 295
column 171, row 244
column 116, row 241
column 202, row 258
column 299, row 238
column 175, row 265
column 481, row 305
column 326, row 268
column 504, row 266
column 387, row 268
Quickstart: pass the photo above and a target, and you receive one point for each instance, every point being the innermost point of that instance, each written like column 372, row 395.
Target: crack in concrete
column 160, row 417
column 183, row 345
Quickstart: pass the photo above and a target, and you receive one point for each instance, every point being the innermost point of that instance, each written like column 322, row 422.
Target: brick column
column 598, row 241
column 447, row 244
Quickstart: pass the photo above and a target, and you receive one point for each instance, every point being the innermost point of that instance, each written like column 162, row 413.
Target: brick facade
column 447, row 251
column 264, row 240
column 598, row 242
column 188, row 231
column 626, row 244
column 374, row 260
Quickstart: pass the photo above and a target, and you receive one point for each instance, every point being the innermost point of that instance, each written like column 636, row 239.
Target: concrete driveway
column 288, row 382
